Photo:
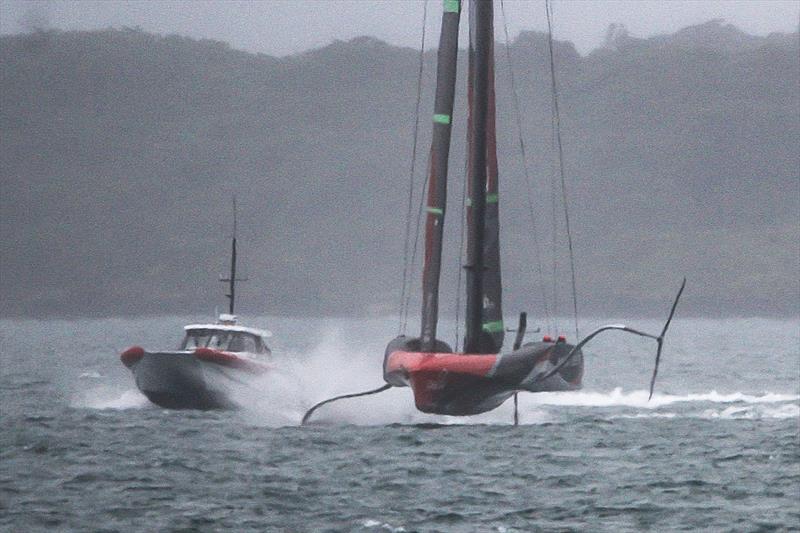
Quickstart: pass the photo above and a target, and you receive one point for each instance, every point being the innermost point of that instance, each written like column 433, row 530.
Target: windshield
column 233, row 341
column 195, row 339
column 201, row 338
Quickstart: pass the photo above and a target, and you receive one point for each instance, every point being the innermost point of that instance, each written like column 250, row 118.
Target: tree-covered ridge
column 119, row 151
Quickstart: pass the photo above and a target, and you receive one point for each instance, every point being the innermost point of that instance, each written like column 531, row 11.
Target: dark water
column 718, row 448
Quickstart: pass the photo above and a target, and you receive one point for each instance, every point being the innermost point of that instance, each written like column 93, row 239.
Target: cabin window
column 241, row 342
column 219, row 340
column 233, row 341
column 237, row 343
column 195, row 339
column 250, row 344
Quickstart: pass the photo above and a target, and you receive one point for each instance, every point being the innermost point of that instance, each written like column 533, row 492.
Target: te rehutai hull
column 459, row 384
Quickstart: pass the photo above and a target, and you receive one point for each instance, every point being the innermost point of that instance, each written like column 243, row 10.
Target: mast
column 492, row 320
column 492, row 283
column 232, row 289
column 437, row 171
column 231, row 279
column 480, row 39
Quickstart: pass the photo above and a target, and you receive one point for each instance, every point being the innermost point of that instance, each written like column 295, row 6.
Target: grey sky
column 280, row 27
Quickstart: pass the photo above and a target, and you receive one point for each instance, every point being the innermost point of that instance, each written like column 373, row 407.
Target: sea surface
column 716, row 449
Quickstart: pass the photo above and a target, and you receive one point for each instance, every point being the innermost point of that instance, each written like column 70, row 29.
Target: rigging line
column 557, row 118
column 416, row 243
column 461, row 252
column 554, row 217
column 554, row 248
column 404, row 310
column 528, row 180
column 554, row 226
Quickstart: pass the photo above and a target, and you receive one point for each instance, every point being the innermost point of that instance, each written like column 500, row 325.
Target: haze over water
column 716, row 448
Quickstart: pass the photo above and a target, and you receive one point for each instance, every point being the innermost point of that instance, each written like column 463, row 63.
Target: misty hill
column 120, row 151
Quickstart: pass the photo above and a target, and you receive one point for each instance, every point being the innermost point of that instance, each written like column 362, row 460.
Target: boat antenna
column 232, row 279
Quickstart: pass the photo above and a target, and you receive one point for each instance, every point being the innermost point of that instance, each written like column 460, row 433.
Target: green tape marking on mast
column 452, row 6
column 435, row 210
column 491, row 198
column 441, row 119
column 493, row 327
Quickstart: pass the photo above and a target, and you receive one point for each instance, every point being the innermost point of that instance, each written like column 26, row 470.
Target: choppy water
column 718, row 447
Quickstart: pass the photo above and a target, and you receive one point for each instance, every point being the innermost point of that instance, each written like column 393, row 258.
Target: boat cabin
column 226, row 338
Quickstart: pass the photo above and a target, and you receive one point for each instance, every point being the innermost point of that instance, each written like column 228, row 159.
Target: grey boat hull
column 178, row 380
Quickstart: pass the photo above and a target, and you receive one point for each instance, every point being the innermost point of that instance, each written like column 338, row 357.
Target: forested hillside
column 120, row 150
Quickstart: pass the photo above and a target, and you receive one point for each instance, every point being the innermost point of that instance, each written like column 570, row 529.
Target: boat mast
column 493, row 331
column 480, row 39
column 492, row 283
column 231, row 279
column 437, row 171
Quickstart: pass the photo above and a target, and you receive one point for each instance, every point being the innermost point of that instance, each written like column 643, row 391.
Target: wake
column 106, row 397
column 710, row 405
column 300, row 380
column 638, row 398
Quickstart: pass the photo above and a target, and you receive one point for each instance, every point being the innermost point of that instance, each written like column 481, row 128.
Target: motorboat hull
column 189, row 379
column 450, row 383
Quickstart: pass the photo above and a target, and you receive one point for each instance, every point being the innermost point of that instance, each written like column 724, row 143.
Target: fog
column 282, row 27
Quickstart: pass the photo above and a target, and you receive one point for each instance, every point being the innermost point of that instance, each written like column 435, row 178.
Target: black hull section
column 179, row 381
column 537, row 359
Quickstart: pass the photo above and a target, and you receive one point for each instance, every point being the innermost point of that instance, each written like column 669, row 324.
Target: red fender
column 130, row 356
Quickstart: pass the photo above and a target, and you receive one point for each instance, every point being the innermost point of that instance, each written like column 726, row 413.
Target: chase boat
column 212, row 360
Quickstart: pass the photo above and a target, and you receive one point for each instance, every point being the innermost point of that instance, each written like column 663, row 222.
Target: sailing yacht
column 480, row 377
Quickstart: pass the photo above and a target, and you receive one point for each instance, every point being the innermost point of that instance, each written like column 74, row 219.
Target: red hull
column 466, row 384
column 433, row 376
column 230, row 360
